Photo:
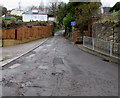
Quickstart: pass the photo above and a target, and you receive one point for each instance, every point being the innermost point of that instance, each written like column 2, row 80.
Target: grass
column 5, row 58
column 16, row 42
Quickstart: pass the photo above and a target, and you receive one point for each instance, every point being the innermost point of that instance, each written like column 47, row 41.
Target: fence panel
column 87, row 41
column 115, row 49
column 100, row 45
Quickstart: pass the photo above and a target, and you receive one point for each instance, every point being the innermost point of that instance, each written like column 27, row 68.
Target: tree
column 53, row 8
column 81, row 12
column 116, row 7
column 85, row 12
column 61, row 12
column 3, row 10
column 35, row 8
column 67, row 22
column 65, row 9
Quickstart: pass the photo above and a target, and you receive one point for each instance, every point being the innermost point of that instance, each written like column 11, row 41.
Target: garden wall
column 109, row 31
column 24, row 34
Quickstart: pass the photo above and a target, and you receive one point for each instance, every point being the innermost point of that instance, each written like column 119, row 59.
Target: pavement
column 59, row 68
column 11, row 53
column 98, row 54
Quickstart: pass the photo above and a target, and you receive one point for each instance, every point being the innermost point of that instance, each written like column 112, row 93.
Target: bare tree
column 3, row 10
column 53, row 6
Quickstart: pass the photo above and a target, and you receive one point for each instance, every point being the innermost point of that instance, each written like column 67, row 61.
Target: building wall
column 34, row 17
column 51, row 19
column 16, row 12
column 106, row 12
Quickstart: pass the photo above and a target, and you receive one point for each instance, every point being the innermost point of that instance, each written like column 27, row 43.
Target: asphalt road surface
column 59, row 68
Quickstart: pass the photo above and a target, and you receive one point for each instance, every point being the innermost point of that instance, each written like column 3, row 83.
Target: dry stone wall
column 109, row 31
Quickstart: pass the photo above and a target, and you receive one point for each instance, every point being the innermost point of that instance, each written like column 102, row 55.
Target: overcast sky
column 10, row 4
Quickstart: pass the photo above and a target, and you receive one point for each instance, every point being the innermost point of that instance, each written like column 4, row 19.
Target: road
column 59, row 68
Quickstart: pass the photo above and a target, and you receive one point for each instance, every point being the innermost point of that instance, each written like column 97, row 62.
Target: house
column 51, row 18
column 106, row 11
column 34, row 15
column 37, row 15
column 8, row 13
column 17, row 12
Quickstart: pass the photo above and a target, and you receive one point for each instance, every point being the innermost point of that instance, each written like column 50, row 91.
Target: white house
column 16, row 12
column 34, row 15
column 51, row 18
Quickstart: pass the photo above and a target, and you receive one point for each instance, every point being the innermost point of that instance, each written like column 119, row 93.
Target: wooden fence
column 26, row 32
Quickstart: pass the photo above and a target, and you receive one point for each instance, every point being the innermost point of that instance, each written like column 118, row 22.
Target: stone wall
column 109, row 31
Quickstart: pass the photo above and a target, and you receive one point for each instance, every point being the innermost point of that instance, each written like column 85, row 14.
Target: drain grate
column 106, row 60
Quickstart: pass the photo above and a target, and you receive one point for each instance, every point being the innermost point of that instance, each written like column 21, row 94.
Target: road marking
column 48, row 45
column 14, row 65
column 44, row 49
column 30, row 56
column 43, row 67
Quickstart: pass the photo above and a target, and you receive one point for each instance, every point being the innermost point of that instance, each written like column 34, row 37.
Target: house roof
column 106, row 11
column 38, row 12
column 106, row 8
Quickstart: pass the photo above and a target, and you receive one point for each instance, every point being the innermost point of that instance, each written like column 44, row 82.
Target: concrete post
column 83, row 40
column 93, row 42
column 110, row 48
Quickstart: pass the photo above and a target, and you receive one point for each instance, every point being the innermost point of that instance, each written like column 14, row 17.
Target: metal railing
column 100, row 45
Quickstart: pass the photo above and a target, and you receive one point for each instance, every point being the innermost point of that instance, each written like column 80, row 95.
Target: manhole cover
column 57, row 61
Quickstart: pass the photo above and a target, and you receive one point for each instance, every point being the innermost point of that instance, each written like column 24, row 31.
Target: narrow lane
column 58, row 68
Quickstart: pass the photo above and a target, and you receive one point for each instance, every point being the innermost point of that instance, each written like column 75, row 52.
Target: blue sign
column 73, row 23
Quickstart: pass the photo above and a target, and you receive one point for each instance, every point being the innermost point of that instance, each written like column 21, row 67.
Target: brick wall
column 76, row 36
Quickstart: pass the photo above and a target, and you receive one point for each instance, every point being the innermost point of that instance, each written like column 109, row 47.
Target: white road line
column 14, row 65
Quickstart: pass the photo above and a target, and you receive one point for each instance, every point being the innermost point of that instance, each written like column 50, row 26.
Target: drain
column 106, row 60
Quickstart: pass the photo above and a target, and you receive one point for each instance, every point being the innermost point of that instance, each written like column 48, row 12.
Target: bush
column 17, row 17
column 37, row 23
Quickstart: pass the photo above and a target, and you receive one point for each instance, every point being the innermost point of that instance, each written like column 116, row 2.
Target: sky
column 11, row 4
